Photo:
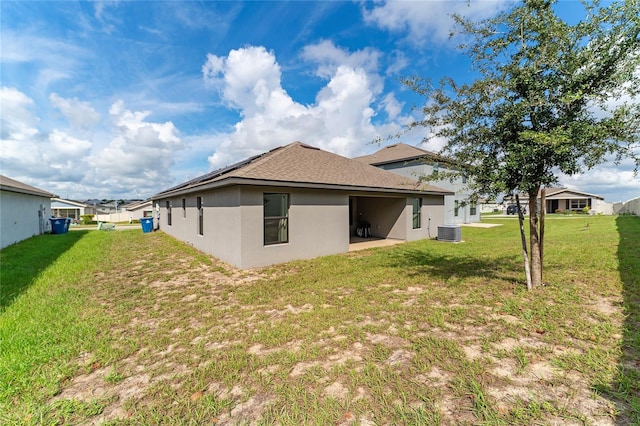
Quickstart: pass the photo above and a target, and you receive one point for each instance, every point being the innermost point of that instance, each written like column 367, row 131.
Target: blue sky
column 124, row 99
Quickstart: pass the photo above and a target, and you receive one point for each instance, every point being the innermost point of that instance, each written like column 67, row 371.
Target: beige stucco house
column 414, row 162
column 139, row 209
column 24, row 211
column 71, row 209
column 296, row 202
column 559, row 200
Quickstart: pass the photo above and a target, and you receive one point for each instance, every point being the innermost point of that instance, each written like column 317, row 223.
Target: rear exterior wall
column 318, row 222
column 19, row 218
column 233, row 224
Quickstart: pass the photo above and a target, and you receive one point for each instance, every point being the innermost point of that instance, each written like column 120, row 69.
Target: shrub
column 87, row 219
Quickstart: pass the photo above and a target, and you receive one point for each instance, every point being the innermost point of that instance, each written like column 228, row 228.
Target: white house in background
column 412, row 162
column 71, row 209
column 489, row 206
column 24, row 211
column 139, row 209
column 559, row 200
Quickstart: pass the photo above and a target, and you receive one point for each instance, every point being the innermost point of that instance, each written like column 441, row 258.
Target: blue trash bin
column 147, row 224
column 59, row 225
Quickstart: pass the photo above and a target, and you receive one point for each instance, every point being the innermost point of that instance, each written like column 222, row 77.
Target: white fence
column 120, row 217
column 631, row 206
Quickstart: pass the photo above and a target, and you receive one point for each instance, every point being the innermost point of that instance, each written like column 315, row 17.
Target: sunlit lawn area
column 133, row 328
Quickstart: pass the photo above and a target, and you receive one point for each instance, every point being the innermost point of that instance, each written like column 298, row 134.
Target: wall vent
column 450, row 233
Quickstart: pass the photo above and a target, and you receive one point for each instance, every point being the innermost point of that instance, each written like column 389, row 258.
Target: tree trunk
column 543, row 212
column 534, row 240
column 525, row 255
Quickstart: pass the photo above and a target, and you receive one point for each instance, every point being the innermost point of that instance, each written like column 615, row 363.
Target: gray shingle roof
column 396, row 152
column 8, row 184
column 305, row 165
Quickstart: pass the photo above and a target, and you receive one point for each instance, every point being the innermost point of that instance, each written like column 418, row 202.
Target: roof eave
column 27, row 192
column 69, row 202
column 291, row 184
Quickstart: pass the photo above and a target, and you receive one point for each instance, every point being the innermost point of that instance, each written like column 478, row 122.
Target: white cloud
column 136, row 160
column 427, row 20
column 100, row 13
column 141, row 153
column 249, row 79
column 329, row 57
column 80, row 115
column 397, row 62
column 63, row 147
column 615, row 183
column 26, row 151
column 99, row 8
column 56, row 60
column 17, row 121
column 392, row 107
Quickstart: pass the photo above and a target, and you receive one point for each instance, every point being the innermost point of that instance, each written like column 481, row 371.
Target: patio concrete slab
column 481, row 225
column 366, row 243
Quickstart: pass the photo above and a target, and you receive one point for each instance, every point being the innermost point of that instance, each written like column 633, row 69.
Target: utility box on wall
column 450, row 233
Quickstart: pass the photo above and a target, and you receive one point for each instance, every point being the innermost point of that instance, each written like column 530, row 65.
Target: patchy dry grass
column 421, row 333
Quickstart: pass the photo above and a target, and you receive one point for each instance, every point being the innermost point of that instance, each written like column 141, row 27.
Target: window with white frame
column 579, row 204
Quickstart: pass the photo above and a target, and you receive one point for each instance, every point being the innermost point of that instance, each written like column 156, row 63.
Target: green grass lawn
column 133, row 328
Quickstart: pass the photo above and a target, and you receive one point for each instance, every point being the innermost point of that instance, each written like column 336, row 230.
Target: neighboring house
column 489, row 206
column 109, row 207
column 24, row 211
column 296, row 202
column 121, row 212
column 558, row 200
column 139, row 209
column 412, row 162
column 69, row 208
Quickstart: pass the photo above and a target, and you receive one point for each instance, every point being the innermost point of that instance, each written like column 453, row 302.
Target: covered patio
column 357, row 243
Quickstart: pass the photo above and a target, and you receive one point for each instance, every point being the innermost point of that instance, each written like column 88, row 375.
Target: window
column 456, row 208
column 436, row 167
column 578, row 204
column 184, row 208
column 168, row 205
column 417, row 209
column 276, row 218
column 464, row 179
column 472, row 209
column 200, row 216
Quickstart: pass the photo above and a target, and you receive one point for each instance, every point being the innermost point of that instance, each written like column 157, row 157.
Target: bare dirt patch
column 220, row 340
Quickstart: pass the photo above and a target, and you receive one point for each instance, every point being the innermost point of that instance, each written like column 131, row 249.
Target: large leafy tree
column 551, row 97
